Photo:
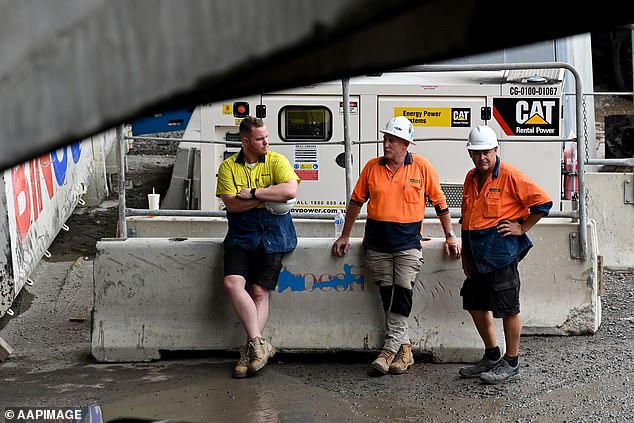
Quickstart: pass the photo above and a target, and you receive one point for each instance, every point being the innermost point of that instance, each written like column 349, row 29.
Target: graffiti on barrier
column 40, row 195
column 346, row 281
column 28, row 179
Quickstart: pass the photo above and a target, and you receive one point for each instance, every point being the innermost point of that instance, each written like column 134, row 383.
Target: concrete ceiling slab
column 72, row 68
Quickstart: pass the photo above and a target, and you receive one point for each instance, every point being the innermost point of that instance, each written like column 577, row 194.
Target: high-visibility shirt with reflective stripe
column 508, row 194
column 396, row 201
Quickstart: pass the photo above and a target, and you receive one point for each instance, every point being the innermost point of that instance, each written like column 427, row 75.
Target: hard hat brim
column 480, row 147
column 280, row 208
column 385, row 131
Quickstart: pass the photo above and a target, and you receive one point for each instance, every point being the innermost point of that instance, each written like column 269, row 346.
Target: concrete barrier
column 615, row 223
column 154, row 294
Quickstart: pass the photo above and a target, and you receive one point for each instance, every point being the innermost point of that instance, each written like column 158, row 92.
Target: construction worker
column 396, row 187
column 499, row 205
column 259, row 235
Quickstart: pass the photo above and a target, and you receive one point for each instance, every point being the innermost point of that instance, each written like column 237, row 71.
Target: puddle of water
column 268, row 397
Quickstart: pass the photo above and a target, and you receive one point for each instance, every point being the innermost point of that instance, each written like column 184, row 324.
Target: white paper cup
column 153, row 201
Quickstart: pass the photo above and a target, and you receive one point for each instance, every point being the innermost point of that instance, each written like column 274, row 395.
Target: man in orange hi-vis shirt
column 396, row 187
column 499, row 205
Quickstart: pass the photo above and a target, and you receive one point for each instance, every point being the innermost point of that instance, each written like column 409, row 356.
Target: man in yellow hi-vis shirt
column 258, row 188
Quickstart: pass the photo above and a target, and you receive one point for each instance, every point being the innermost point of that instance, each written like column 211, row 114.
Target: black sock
column 493, row 353
column 513, row 361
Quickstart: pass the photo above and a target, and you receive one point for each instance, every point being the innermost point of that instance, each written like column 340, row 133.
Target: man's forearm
column 445, row 222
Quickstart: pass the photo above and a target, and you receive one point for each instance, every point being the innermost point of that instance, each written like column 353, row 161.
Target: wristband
column 253, row 193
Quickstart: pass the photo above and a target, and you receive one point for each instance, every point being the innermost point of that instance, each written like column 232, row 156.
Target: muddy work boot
column 242, row 367
column 403, row 360
column 476, row 369
column 383, row 361
column 260, row 350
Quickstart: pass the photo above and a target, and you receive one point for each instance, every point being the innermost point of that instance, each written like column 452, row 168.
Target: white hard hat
column 482, row 138
column 400, row 127
column 280, row 207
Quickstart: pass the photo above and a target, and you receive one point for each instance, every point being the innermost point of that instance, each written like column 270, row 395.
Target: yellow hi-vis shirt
column 257, row 226
column 234, row 173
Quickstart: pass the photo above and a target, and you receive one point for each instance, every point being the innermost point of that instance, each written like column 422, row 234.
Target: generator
column 306, row 124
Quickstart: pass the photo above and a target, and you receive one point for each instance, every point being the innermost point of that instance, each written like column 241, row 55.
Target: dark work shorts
column 257, row 267
column 497, row 291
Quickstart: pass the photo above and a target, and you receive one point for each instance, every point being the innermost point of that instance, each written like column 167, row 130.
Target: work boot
column 241, row 368
column 260, row 350
column 383, row 361
column 403, row 360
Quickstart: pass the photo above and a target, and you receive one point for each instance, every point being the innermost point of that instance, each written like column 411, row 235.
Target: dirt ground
column 564, row 379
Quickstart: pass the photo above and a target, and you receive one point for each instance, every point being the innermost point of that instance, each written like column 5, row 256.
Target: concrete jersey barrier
column 165, row 294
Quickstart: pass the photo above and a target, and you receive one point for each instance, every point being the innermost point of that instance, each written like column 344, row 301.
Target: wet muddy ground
column 564, row 379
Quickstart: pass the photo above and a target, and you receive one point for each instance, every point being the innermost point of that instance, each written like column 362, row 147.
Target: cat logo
column 536, row 112
column 528, row 116
column 460, row 117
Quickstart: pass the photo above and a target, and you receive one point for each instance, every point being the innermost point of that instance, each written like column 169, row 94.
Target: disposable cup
column 153, row 201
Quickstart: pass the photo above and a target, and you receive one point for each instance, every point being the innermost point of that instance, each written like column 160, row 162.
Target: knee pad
column 396, row 299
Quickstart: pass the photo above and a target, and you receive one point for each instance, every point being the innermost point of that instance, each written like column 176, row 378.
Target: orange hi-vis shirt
column 396, row 201
column 506, row 195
